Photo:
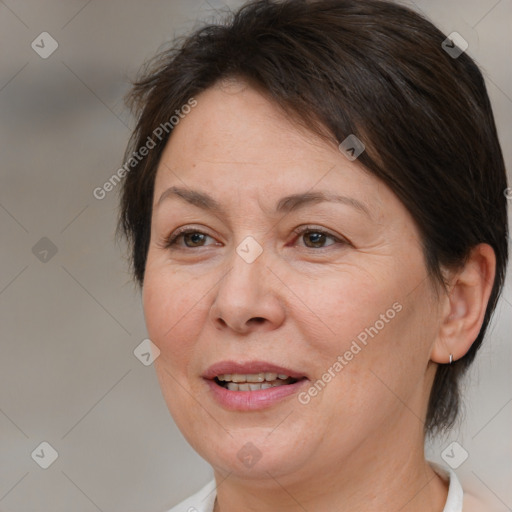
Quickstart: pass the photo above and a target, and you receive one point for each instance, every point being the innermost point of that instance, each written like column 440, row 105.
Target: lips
column 250, row 368
column 252, row 385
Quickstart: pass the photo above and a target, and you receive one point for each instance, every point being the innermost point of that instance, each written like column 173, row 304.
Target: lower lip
column 252, row 400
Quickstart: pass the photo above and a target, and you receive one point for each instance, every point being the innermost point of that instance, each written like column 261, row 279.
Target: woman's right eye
column 191, row 237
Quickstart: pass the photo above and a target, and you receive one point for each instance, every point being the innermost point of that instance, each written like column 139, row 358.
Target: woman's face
column 344, row 308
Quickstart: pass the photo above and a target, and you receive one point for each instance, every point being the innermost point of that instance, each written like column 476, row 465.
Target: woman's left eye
column 316, row 237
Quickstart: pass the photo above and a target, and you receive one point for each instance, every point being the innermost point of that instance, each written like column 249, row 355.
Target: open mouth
column 253, row 382
column 252, row 385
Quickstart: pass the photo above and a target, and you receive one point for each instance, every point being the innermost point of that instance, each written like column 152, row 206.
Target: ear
column 463, row 307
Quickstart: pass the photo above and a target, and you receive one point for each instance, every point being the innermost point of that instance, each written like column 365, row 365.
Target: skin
column 359, row 443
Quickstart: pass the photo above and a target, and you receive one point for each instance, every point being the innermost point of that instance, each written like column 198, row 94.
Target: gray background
column 69, row 325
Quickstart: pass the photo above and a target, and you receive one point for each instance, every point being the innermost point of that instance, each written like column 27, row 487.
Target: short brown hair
column 370, row 68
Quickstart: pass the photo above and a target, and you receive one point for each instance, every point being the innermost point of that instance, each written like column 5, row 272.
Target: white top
column 204, row 500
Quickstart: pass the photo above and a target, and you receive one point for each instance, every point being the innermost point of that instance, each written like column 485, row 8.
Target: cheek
column 388, row 369
column 172, row 308
column 344, row 304
column 375, row 324
column 172, row 313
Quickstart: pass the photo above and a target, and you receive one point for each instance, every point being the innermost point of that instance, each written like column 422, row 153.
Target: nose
column 248, row 297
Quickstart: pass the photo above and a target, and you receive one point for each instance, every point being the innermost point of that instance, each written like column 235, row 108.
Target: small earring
column 451, row 359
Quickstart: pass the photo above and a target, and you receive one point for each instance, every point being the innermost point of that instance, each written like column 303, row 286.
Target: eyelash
column 171, row 240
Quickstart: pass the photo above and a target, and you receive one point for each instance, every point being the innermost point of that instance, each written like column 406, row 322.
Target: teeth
column 260, row 377
column 253, row 377
column 234, row 386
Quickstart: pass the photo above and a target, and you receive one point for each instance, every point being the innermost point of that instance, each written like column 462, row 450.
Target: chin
column 252, row 453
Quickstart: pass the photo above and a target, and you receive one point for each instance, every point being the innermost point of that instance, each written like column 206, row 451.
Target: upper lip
column 249, row 367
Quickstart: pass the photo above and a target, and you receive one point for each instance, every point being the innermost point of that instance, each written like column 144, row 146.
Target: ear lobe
column 464, row 305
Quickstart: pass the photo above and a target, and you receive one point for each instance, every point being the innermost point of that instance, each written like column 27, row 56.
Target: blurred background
column 83, row 425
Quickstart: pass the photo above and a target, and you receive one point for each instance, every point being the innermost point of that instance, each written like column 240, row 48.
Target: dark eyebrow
column 285, row 204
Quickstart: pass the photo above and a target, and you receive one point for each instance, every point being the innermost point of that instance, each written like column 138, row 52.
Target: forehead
column 237, row 133
column 235, row 124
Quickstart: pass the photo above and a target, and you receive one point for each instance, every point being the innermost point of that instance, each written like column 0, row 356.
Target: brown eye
column 191, row 238
column 315, row 238
column 195, row 238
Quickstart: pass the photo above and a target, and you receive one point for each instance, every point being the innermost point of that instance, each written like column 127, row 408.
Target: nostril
column 258, row 320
